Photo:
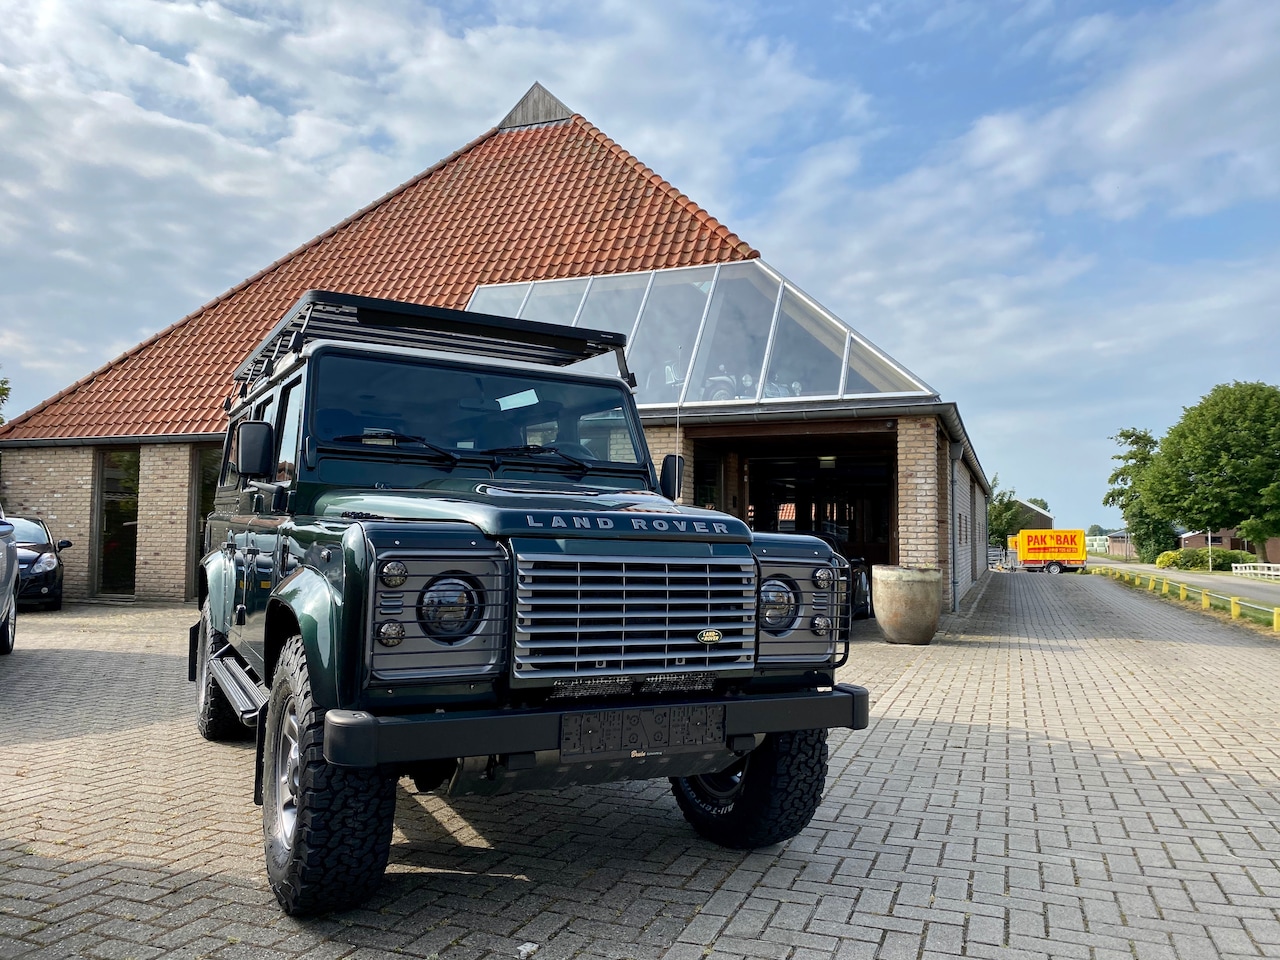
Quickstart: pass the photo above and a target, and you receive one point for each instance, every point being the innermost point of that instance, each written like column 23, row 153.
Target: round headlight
column 823, row 577
column 779, row 605
column 390, row 634
column 450, row 608
column 393, row 574
column 821, row 626
column 746, row 380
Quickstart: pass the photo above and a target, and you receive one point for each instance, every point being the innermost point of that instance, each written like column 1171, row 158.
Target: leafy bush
column 1197, row 558
column 1223, row 559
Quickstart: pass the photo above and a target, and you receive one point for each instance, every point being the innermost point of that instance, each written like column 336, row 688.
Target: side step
column 246, row 695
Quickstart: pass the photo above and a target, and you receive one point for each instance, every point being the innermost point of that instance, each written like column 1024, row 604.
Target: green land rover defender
column 440, row 550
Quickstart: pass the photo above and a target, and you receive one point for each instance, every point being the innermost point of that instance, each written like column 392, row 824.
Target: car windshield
column 383, row 401
column 28, row 531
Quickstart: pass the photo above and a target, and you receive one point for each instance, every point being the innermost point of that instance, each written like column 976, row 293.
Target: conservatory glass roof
column 731, row 334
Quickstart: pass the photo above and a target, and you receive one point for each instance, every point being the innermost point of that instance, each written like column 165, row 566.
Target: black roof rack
column 324, row 315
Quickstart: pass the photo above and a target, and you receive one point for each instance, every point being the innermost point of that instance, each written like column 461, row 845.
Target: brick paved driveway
column 1074, row 769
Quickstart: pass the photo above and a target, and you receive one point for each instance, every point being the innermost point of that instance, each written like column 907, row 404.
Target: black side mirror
column 63, row 544
column 257, row 450
column 672, row 474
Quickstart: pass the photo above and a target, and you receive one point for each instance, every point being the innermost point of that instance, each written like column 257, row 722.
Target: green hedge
column 1197, row 558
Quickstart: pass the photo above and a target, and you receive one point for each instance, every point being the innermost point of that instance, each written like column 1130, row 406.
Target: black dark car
column 39, row 565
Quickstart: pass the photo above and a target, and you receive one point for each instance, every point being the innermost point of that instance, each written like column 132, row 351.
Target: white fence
column 1259, row 571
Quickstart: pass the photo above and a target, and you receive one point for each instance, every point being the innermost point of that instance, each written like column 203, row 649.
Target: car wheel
column 9, row 631
column 216, row 719
column 768, row 796
column 862, row 609
column 326, row 829
column 1053, row 567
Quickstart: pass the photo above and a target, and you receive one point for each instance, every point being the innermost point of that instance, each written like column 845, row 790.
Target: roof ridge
column 8, row 425
column 677, row 195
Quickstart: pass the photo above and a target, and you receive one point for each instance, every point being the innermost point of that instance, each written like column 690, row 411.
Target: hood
column 27, row 552
column 534, row 508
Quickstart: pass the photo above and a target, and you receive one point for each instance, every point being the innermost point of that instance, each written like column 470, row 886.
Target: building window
column 117, row 521
column 205, row 464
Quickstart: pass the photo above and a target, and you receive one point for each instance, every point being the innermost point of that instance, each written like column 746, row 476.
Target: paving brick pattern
column 1072, row 769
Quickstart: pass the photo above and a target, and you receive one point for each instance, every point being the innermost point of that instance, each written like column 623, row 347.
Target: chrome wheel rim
column 287, row 768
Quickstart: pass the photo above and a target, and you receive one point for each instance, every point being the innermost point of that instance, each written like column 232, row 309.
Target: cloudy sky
column 1062, row 214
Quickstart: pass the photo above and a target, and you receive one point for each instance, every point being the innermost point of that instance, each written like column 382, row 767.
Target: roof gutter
column 948, row 413
column 113, row 441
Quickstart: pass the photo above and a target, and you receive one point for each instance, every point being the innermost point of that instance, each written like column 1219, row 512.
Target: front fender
column 220, row 582
column 309, row 603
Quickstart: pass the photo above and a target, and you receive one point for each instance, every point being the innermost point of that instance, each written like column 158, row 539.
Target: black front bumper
column 356, row 738
column 39, row 587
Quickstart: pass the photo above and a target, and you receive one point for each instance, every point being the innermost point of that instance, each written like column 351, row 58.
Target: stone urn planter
column 908, row 601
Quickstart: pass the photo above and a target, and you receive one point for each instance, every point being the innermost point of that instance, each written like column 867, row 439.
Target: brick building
column 786, row 415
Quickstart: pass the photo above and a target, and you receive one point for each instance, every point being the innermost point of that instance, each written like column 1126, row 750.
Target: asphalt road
column 1265, row 593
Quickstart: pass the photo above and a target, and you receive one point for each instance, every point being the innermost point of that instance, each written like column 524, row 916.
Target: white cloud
column 152, row 154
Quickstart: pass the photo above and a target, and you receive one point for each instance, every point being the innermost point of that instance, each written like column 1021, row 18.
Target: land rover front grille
column 607, row 616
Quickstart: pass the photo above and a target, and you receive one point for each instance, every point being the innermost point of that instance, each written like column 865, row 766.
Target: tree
column 1004, row 514
column 1039, row 502
column 1096, row 530
column 1149, row 532
column 1219, row 466
column 4, row 394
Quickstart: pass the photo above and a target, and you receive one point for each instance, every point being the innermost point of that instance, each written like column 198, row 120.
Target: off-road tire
column 767, row 797
column 9, row 631
column 326, row 829
column 216, row 719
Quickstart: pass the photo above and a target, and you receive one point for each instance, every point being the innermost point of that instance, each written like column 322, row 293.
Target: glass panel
column 501, row 301
column 118, row 521
column 869, row 374
column 554, row 301
column 732, row 349
column 663, row 346
column 808, row 351
column 613, row 302
column 290, row 428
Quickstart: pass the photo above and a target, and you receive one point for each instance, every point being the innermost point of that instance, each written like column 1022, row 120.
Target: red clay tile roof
column 555, row 200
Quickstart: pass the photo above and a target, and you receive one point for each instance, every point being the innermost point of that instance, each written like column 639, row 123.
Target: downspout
column 956, row 451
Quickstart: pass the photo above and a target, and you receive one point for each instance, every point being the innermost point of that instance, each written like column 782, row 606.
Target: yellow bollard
column 1275, row 619
column 1235, row 608
column 1151, row 584
column 1165, row 589
column 1182, row 591
column 1204, row 599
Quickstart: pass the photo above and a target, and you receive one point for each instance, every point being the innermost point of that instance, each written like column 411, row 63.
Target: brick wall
column 963, row 513
column 662, row 441
column 55, row 484
column 921, row 502
column 164, row 503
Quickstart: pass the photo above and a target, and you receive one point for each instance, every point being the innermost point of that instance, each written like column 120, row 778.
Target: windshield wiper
column 534, row 449
column 376, row 438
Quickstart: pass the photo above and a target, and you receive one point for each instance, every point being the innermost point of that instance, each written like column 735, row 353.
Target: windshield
column 28, row 531
column 382, row 401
